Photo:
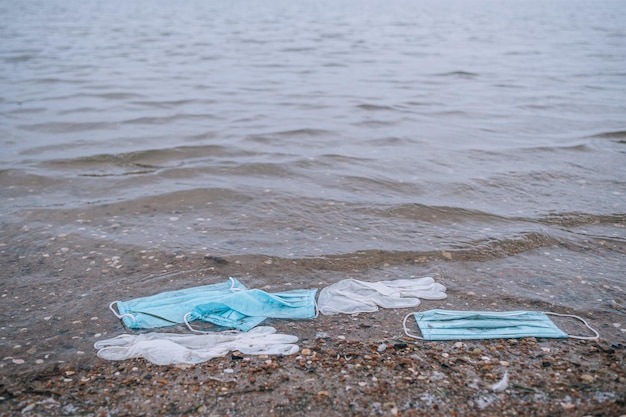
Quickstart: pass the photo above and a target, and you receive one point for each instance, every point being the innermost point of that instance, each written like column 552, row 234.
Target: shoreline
column 347, row 365
column 54, row 311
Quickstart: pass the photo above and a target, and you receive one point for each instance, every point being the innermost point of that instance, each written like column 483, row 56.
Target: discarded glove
column 170, row 348
column 354, row 296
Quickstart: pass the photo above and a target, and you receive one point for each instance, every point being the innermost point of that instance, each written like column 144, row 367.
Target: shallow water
column 485, row 139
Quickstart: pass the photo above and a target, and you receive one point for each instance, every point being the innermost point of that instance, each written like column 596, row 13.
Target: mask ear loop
column 317, row 309
column 120, row 316
column 232, row 285
column 597, row 335
column 189, row 325
column 406, row 330
column 186, row 320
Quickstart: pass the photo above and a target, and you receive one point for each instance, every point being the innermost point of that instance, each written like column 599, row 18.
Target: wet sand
column 356, row 368
column 53, row 311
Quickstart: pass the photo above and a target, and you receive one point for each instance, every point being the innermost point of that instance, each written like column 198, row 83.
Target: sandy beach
column 149, row 146
column 355, row 369
column 359, row 364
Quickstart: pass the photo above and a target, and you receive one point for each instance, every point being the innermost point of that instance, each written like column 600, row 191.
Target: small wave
column 302, row 132
column 80, row 110
column 459, row 74
column 166, row 104
column 299, row 49
column 580, row 147
column 168, row 119
column 475, row 251
column 451, row 112
column 17, row 59
column 116, row 96
column 192, row 170
column 375, row 107
column 522, row 53
column 426, row 213
column 66, row 127
column 334, row 158
column 118, row 174
column 152, row 159
column 376, row 123
column 491, row 248
column 269, row 138
column 107, row 165
column 258, row 169
column 27, row 110
column 166, row 201
column 616, row 134
column 54, row 80
column 339, row 64
column 414, row 103
column 509, row 85
column 582, row 219
column 20, row 178
column 394, row 141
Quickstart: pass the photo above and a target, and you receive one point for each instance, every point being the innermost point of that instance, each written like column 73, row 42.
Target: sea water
column 484, row 137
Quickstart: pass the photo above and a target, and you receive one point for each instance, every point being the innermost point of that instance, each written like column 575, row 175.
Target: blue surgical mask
column 169, row 308
column 244, row 310
column 460, row 325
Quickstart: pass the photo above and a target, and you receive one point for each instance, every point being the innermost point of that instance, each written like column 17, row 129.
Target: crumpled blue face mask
column 169, row 308
column 244, row 310
column 228, row 304
column 461, row 325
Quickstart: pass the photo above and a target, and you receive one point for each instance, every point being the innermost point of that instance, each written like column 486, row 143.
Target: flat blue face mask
column 169, row 308
column 464, row 325
column 244, row 310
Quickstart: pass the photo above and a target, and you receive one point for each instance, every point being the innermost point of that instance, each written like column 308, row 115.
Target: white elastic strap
column 597, row 335
column 406, row 330
column 120, row 316
column 185, row 319
column 232, row 285
column 189, row 325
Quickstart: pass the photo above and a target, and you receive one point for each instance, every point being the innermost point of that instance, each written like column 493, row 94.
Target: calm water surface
column 491, row 133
